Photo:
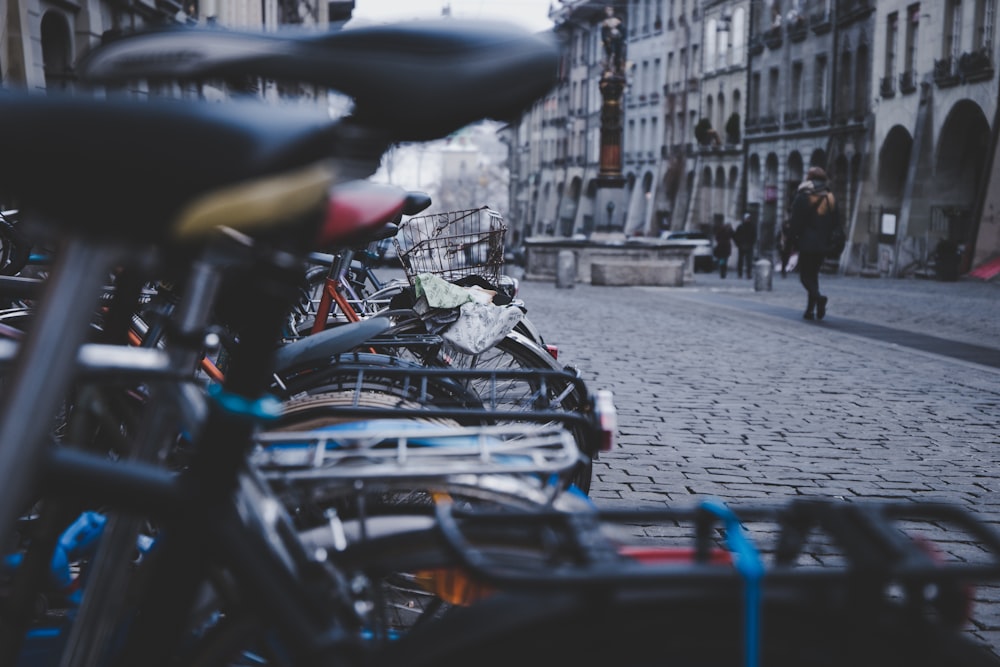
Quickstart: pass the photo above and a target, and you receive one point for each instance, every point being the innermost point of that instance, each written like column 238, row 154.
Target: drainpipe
column 916, row 150
column 744, row 179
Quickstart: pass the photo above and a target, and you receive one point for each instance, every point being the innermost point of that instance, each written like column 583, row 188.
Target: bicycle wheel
column 514, row 352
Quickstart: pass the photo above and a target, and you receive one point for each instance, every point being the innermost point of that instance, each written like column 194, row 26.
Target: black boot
column 821, row 307
column 808, row 315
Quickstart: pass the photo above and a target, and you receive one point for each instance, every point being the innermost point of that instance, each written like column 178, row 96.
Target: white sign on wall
column 888, row 224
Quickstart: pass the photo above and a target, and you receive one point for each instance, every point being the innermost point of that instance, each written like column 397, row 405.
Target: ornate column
column 610, row 194
column 612, row 86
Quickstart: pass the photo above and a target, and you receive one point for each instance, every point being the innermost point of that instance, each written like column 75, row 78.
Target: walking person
column 814, row 215
column 745, row 238
column 723, row 247
column 785, row 246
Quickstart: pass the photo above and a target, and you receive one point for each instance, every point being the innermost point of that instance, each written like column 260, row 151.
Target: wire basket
column 453, row 245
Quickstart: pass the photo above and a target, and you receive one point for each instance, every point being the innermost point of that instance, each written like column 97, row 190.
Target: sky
column 531, row 14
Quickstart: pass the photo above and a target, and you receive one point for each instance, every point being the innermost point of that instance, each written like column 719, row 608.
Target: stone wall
column 542, row 256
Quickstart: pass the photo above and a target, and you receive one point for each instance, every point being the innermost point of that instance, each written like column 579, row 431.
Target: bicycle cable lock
column 751, row 568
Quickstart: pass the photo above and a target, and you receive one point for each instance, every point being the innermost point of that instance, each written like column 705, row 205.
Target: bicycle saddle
column 360, row 211
column 146, row 171
column 416, row 202
column 417, row 81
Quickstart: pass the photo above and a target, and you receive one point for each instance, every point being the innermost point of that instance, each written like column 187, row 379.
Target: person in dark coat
column 814, row 214
column 723, row 247
column 785, row 246
column 745, row 238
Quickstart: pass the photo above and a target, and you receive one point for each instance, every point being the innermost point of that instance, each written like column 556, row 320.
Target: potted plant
column 703, row 131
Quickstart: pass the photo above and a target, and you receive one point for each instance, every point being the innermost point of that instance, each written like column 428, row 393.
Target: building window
column 985, row 19
column 737, row 39
column 711, row 36
column 796, row 98
column 952, row 42
column 912, row 33
column 891, row 36
column 754, row 110
column 844, row 100
column 819, row 88
column 773, row 91
column 861, row 81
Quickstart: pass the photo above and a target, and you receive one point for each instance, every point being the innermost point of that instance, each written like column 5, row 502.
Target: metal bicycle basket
column 453, row 245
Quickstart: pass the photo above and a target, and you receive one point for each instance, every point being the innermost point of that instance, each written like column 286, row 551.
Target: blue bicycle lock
column 751, row 568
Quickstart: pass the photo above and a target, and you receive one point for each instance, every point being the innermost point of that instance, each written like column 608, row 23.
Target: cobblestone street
column 726, row 392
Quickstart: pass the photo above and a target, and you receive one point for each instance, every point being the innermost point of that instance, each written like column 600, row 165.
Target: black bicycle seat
column 128, row 170
column 416, row 202
column 417, row 81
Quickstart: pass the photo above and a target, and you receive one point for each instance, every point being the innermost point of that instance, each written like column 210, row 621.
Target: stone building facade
column 729, row 102
column 41, row 40
column 810, row 100
column 933, row 137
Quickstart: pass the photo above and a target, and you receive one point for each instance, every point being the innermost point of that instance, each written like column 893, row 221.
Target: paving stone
column 755, row 406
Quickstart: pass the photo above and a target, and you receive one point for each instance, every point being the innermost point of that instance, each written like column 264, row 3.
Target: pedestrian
column 723, row 247
column 786, row 248
column 745, row 238
column 814, row 215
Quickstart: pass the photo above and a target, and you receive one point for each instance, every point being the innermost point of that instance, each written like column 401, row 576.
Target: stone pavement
column 726, row 392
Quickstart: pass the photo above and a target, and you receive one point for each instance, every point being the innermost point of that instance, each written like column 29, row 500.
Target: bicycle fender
column 329, row 343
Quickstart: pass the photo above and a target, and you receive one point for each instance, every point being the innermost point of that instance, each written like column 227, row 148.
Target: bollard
column 566, row 269
column 762, row 275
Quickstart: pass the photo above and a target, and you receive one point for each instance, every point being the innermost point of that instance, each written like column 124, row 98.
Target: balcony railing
column 798, row 30
column 907, row 82
column 756, row 46
column 769, row 123
column 793, row 120
column 693, row 84
column 944, row 73
column 976, row 65
column 850, row 10
column 772, row 38
column 888, row 87
column 817, row 116
column 820, row 23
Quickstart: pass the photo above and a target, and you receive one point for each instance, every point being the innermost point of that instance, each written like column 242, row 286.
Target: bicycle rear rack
column 387, row 449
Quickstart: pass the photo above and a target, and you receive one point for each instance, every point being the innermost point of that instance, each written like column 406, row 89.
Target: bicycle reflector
column 553, row 350
column 607, row 418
